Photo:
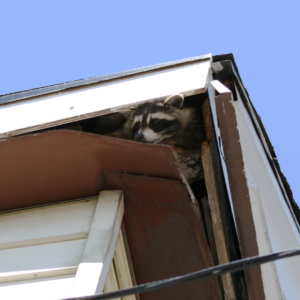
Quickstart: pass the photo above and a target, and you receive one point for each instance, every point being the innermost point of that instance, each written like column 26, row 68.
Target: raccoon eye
column 136, row 127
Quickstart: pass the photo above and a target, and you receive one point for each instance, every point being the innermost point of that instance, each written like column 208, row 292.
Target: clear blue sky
column 49, row 42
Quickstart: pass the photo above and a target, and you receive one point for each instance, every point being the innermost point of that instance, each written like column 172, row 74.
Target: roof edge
column 12, row 97
column 262, row 133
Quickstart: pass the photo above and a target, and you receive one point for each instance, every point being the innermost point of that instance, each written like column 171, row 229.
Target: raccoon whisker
column 168, row 129
column 165, row 131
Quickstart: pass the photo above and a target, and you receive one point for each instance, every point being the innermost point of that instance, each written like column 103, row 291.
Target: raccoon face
column 155, row 122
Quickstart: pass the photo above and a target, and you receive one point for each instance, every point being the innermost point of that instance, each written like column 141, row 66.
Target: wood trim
column 226, row 212
column 86, row 102
column 100, row 246
column 22, row 95
column 112, row 283
column 239, row 191
column 129, row 259
column 220, row 87
column 122, row 262
column 120, row 275
column 218, row 229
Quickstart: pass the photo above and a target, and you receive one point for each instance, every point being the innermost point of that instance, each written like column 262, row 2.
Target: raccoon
column 170, row 122
column 117, row 125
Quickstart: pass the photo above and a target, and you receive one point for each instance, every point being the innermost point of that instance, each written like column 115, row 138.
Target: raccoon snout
column 139, row 137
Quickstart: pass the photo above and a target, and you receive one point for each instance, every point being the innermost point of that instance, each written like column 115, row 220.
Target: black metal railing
column 195, row 276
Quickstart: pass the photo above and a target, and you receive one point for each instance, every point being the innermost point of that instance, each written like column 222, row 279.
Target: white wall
column 274, row 224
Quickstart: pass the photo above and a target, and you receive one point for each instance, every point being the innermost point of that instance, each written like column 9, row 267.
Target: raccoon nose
column 139, row 137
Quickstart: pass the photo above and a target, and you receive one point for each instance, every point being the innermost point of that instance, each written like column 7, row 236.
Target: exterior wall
column 60, row 251
column 275, row 227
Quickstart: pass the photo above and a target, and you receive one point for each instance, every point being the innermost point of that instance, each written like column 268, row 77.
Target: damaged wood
column 215, row 210
column 190, row 163
column 217, row 223
column 164, row 235
column 207, row 220
column 232, row 243
column 239, row 192
column 60, row 165
column 206, row 120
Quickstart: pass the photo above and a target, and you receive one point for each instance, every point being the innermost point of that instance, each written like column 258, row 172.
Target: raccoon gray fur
column 117, row 125
column 169, row 122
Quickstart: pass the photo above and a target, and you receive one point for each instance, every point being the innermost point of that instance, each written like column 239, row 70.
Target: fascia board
column 75, row 104
column 22, row 95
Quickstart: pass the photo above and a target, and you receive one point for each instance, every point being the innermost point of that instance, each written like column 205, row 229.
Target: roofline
column 12, row 97
column 262, row 134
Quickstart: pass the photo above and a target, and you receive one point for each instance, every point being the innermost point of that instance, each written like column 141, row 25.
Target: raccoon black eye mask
column 167, row 122
column 154, row 122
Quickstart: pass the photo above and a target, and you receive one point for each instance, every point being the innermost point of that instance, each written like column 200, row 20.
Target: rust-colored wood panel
column 239, row 192
column 164, row 236
column 62, row 165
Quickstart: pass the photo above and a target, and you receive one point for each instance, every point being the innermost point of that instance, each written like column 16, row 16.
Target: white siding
column 61, row 250
column 274, row 224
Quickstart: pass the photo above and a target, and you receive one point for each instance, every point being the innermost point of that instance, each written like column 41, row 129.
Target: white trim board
column 211, row 94
column 97, row 79
column 98, row 99
column 221, row 88
column 100, row 246
column 119, row 276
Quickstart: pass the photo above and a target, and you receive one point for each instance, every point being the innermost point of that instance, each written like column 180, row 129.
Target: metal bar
column 199, row 275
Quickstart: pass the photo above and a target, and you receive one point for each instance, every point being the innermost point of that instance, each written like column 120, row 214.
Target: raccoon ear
column 175, row 100
column 126, row 113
